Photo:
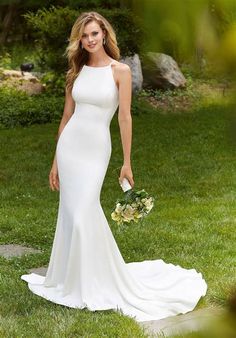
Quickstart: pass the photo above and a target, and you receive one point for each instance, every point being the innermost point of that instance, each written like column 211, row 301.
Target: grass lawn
column 185, row 159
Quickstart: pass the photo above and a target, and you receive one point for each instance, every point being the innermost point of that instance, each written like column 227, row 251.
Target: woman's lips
column 91, row 46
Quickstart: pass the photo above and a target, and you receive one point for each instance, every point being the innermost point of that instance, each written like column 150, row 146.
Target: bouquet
column 134, row 205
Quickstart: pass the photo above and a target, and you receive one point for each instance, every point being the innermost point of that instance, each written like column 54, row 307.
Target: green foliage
column 92, row 3
column 129, row 29
column 190, row 30
column 55, row 83
column 5, row 60
column 161, row 94
column 52, row 30
column 139, row 106
column 19, row 109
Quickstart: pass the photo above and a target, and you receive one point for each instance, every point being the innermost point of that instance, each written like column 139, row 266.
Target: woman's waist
column 94, row 113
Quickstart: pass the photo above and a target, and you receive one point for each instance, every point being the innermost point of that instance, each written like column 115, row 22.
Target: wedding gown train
column 86, row 268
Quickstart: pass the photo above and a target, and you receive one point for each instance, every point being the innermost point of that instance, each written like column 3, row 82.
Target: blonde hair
column 77, row 56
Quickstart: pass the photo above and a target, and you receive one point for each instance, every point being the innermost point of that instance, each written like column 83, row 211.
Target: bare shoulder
column 122, row 71
column 121, row 68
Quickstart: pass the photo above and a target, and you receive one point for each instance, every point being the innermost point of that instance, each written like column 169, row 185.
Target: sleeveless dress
column 86, row 268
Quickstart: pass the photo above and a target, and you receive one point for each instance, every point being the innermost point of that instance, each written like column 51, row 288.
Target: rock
column 42, row 270
column 26, row 81
column 181, row 324
column 12, row 250
column 162, row 71
column 136, row 69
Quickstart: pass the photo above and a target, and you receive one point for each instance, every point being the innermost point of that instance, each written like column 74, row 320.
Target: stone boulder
column 22, row 81
column 161, row 71
column 136, row 69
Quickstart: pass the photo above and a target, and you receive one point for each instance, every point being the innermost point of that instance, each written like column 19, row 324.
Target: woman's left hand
column 126, row 171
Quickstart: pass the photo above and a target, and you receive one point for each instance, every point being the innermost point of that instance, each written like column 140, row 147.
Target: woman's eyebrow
column 91, row 32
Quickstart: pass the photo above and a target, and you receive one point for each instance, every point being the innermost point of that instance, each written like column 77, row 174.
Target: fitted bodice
column 95, row 88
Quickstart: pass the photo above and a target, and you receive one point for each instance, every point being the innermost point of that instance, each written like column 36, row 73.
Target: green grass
column 186, row 160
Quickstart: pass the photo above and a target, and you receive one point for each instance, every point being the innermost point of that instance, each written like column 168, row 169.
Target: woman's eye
column 94, row 33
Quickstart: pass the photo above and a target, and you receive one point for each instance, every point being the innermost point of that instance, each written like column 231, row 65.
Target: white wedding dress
column 86, row 268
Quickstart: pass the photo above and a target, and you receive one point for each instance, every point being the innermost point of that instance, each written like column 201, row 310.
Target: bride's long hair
column 77, row 56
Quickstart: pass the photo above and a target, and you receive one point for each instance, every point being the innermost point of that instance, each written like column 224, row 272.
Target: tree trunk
column 7, row 22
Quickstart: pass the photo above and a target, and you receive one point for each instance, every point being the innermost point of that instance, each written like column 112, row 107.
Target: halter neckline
column 99, row 66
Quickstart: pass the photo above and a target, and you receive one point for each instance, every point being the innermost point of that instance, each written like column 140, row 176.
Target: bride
column 86, row 268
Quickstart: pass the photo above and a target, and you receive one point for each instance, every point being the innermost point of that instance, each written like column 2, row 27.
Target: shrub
column 19, row 109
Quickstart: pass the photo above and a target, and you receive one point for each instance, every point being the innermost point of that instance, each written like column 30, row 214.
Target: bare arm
column 125, row 119
column 67, row 113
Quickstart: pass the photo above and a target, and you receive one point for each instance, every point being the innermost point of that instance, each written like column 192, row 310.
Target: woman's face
column 92, row 37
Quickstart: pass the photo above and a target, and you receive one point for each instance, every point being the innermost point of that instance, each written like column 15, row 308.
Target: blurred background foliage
column 191, row 31
column 198, row 32
column 51, row 29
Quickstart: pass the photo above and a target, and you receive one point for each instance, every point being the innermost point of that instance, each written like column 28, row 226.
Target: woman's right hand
column 54, row 178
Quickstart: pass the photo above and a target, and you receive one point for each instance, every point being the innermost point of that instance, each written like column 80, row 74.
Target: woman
column 86, row 268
